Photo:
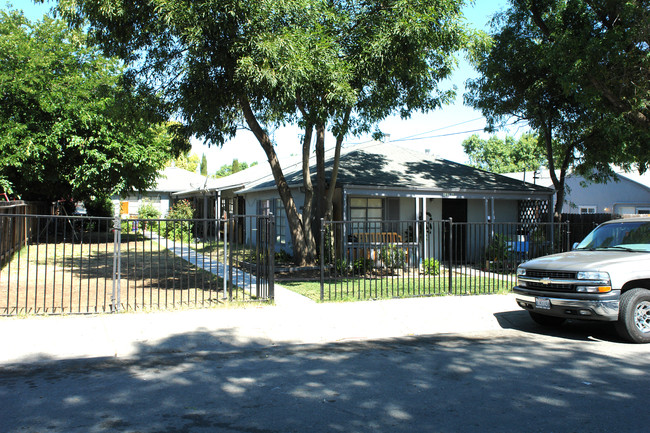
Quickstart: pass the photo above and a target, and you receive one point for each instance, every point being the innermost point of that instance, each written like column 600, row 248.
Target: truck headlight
column 593, row 276
column 602, row 280
column 521, row 272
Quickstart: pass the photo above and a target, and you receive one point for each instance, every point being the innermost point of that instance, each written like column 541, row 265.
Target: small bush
column 181, row 210
column 148, row 211
column 393, row 256
column 362, row 265
column 100, row 207
column 180, row 229
column 431, row 266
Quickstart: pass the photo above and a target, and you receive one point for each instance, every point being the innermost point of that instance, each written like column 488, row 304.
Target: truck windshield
column 624, row 236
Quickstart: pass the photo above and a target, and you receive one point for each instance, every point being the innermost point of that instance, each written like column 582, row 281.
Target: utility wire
column 437, row 136
column 439, row 129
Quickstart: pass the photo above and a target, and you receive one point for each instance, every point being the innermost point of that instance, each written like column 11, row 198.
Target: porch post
column 492, row 203
column 424, row 235
column 417, row 230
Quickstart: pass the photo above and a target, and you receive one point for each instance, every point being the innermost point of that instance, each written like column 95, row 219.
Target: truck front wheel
column 634, row 316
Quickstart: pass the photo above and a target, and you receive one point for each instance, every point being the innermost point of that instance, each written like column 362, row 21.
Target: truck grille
column 550, row 274
column 551, row 287
column 557, row 286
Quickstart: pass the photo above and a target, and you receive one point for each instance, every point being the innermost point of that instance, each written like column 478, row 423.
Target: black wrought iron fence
column 77, row 265
column 384, row 259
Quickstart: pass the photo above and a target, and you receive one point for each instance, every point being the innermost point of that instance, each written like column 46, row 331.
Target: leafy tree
column 342, row 66
column 187, row 161
column 556, row 65
column 204, row 165
column 505, row 156
column 228, row 169
column 70, row 126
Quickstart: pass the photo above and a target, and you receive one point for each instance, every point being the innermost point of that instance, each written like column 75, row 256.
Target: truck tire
column 634, row 316
column 544, row 320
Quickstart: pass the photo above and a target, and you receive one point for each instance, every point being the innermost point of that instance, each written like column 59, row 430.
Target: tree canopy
column 204, row 165
column 236, row 166
column 187, row 161
column 341, row 66
column 69, row 125
column 556, row 65
column 505, row 156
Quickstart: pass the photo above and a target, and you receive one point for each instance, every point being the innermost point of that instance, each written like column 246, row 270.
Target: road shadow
column 211, row 380
column 578, row 330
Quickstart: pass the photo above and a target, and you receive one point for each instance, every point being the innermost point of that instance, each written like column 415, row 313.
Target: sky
column 440, row 132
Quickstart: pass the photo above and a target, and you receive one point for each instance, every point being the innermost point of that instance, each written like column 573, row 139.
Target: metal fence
column 77, row 265
column 385, row 259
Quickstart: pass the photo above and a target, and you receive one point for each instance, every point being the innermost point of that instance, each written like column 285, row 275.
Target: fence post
column 230, row 257
column 225, row 258
column 450, row 248
column 322, row 259
column 116, row 295
column 271, row 252
column 569, row 247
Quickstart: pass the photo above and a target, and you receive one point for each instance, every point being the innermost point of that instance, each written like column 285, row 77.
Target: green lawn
column 354, row 289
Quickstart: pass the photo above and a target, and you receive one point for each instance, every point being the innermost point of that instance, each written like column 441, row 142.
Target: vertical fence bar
column 450, row 255
column 322, row 259
column 117, row 228
column 271, row 268
column 225, row 259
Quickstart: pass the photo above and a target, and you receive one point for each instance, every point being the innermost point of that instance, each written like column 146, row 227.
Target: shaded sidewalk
column 291, row 321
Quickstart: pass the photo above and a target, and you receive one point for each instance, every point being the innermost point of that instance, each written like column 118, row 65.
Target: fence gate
column 81, row 265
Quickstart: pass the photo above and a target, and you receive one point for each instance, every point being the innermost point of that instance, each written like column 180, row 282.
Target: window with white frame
column 266, row 207
column 280, row 222
column 587, row 209
column 367, row 212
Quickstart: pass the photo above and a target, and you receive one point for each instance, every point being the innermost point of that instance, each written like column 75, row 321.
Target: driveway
column 505, row 374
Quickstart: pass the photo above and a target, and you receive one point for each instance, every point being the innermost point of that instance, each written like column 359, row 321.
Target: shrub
column 362, row 265
column 181, row 210
column 100, row 207
column 393, row 256
column 148, row 211
column 431, row 266
column 181, row 228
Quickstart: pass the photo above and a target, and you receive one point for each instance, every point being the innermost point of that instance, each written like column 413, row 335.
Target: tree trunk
column 300, row 251
column 558, row 183
column 309, row 192
column 319, row 196
column 329, row 208
column 320, row 171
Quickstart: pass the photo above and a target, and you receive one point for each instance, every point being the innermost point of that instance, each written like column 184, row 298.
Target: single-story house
column 170, row 181
column 385, row 182
column 630, row 194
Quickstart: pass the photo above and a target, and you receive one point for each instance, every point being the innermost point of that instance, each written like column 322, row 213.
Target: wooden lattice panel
column 533, row 211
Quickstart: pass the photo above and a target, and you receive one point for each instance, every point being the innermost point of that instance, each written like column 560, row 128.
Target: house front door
column 456, row 209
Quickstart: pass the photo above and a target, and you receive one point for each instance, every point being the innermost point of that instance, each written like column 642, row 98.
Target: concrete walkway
column 240, row 278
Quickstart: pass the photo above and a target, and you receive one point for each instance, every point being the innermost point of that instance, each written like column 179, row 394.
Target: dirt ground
column 64, row 278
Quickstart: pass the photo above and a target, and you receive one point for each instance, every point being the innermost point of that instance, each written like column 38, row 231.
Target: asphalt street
column 507, row 374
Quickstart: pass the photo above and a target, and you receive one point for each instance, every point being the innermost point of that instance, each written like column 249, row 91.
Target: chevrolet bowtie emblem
column 545, row 281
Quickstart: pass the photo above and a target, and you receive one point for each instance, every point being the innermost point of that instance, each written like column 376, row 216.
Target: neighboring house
column 382, row 181
column 171, row 180
column 630, row 194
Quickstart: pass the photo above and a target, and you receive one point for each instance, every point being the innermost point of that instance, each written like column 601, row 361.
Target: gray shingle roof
column 389, row 165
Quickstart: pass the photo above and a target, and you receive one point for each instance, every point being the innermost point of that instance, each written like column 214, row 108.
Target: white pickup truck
column 606, row 277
